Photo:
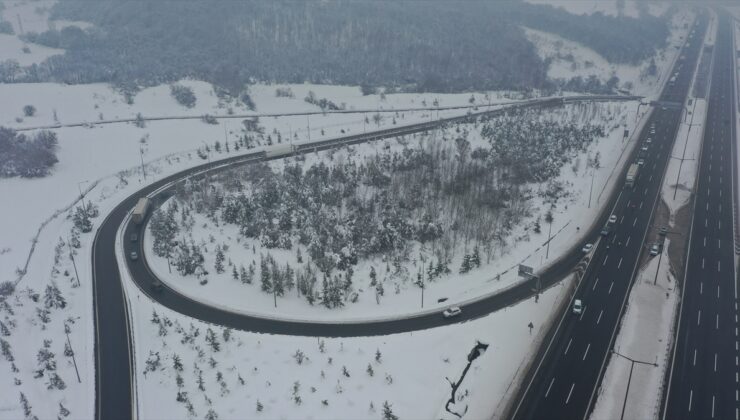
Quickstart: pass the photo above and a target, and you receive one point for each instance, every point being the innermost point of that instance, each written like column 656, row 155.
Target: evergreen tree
column 243, row 275
column 82, row 220
column 265, row 276
column 388, row 412
column 234, row 273
column 475, row 258
column 63, row 411
column 466, row 264
column 26, row 406
column 4, row 331
column 219, row 265
column 325, row 293
column 53, row 297
column 212, row 340
column 373, row 277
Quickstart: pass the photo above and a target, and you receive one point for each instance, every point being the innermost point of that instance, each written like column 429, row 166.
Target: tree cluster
column 27, row 156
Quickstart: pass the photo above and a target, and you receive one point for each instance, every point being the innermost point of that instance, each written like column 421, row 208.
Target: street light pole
column 82, row 197
column 629, row 379
column 141, row 154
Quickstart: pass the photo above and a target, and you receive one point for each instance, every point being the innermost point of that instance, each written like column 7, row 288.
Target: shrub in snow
column 29, row 110
column 183, row 95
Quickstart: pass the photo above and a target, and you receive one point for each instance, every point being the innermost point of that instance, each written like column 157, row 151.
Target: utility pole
column 82, row 197
column 593, row 173
column 308, row 125
column 141, row 154
column 549, row 238
column 69, row 343
column 72, row 257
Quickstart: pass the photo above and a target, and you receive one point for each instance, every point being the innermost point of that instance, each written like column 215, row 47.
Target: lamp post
column 632, row 366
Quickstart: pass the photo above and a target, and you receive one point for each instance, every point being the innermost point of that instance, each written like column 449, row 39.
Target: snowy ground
column 526, row 246
column 569, row 59
column 645, row 335
column 411, row 364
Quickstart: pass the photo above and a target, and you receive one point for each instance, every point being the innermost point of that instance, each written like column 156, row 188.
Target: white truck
column 142, row 206
column 632, row 175
column 280, row 150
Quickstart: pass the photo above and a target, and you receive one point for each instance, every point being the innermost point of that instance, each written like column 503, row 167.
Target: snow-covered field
column 570, row 59
column 263, row 369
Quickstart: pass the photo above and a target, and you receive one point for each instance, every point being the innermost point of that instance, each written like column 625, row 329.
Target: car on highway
column 641, row 161
column 451, row 312
column 654, row 250
column 648, row 141
column 613, row 219
column 577, row 306
column 605, row 230
column 134, row 237
column 587, row 248
column 133, row 255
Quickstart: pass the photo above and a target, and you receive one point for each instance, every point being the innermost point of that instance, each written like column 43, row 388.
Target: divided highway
column 704, row 382
column 112, row 346
column 569, row 369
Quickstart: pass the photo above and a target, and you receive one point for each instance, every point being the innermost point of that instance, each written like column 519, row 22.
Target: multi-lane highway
column 112, row 339
column 704, row 381
column 569, row 368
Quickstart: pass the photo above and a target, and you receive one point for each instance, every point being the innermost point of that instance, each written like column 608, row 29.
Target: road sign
column 525, row 271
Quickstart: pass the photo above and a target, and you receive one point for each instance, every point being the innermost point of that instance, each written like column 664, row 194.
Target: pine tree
column 378, row 356
column 26, row 406
column 176, row 363
column 212, row 340
column 219, row 265
column 370, row 370
column 265, row 276
column 7, row 352
column 53, row 297
column 325, row 293
column 55, row 382
column 466, row 264
column 4, row 331
column 475, row 258
column 388, row 412
column 234, row 273
column 373, row 277
column 289, row 277
column 63, row 412
column 243, row 275
column 259, row 406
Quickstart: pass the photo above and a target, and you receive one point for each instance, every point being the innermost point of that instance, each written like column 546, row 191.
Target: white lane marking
column 719, row 224
column 620, row 263
column 691, row 397
column 716, row 322
column 628, row 241
column 712, row 406
column 719, row 243
column 586, row 352
column 645, row 193
column 698, row 317
column 583, row 313
column 622, row 219
column 605, row 258
column 568, row 346
column 718, row 266
column 718, row 291
column 640, row 205
column 702, row 262
column 715, row 362
column 548, row 388
column 705, row 241
column 651, row 178
column 694, row 357
column 701, row 287
column 633, row 223
column 595, row 283
column 570, row 392
column 599, row 320
column 610, row 288
column 706, row 222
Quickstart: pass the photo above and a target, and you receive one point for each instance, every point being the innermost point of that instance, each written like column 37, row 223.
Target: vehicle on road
column 139, row 214
column 605, row 230
column 587, row 248
column 451, row 312
column 133, row 255
column 577, row 307
column 632, row 175
column 613, row 219
column 648, row 141
column 640, row 161
column 654, row 250
column 134, row 237
column 280, row 151
column 156, row 285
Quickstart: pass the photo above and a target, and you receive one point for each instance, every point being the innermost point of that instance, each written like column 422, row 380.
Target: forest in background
column 406, row 46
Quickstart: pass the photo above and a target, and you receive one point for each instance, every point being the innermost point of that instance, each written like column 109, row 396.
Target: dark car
column 134, row 237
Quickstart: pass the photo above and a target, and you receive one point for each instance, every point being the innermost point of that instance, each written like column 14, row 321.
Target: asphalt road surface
column 704, row 376
column 570, row 367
